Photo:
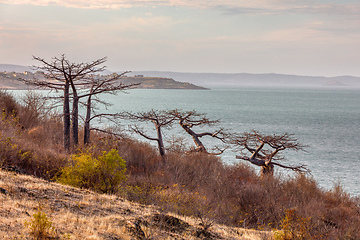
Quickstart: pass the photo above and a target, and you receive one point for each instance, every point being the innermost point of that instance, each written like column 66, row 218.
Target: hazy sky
column 305, row 37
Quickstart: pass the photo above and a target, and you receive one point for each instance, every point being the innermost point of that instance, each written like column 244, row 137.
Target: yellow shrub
column 102, row 174
column 294, row 227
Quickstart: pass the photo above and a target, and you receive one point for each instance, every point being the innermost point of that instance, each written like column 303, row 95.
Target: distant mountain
column 229, row 80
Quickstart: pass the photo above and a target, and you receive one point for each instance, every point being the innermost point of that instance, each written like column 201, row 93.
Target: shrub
column 112, row 169
column 102, row 174
column 28, row 140
column 294, row 226
column 8, row 104
column 40, row 225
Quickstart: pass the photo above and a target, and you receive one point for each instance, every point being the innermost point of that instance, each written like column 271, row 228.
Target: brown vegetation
column 30, row 138
column 196, row 187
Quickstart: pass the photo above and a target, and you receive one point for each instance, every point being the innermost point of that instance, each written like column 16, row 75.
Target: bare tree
column 61, row 74
column 81, row 72
column 160, row 119
column 266, row 150
column 38, row 106
column 111, row 85
column 191, row 119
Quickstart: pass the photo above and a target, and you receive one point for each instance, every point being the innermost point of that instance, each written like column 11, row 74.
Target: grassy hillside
column 208, row 199
column 81, row 214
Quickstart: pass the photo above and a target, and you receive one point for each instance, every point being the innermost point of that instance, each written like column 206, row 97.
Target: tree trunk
column 160, row 141
column 75, row 114
column 66, row 117
column 87, row 121
column 75, row 120
column 267, row 170
column 199, row 145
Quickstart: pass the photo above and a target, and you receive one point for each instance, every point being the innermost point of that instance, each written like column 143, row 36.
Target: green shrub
column 103, row 174
column 40, row 225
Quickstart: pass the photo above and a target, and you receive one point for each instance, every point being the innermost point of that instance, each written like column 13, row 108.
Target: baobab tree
column 188, row 120
column 111, row 85
column 81, row 72
column 160, row 119
column 61, row 74
column 266, row 150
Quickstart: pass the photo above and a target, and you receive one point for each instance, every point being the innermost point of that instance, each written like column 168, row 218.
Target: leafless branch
column 190, row 119
column 141, row 132
column 266, row 150
column 108, row 132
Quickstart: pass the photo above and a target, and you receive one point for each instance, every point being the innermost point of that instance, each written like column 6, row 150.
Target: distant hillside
column 9, row 80
column 229, row 80
column 14, row 68
column 159, row 83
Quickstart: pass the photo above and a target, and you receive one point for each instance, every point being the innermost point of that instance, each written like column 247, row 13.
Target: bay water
column 326, row 120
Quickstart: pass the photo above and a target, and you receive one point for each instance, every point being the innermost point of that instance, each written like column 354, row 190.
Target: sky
column 301, row 37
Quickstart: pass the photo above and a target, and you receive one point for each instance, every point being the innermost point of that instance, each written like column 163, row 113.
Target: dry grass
column 82, row 214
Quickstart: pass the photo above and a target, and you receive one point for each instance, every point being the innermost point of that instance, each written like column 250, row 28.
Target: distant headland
column 10, row 75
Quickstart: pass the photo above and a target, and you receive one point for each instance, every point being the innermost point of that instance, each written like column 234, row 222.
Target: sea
column 326, row 120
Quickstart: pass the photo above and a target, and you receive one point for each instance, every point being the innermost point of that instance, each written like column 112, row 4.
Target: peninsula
column 10, row 80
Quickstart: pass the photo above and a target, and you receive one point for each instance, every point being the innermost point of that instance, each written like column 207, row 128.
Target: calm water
column 327, row 120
